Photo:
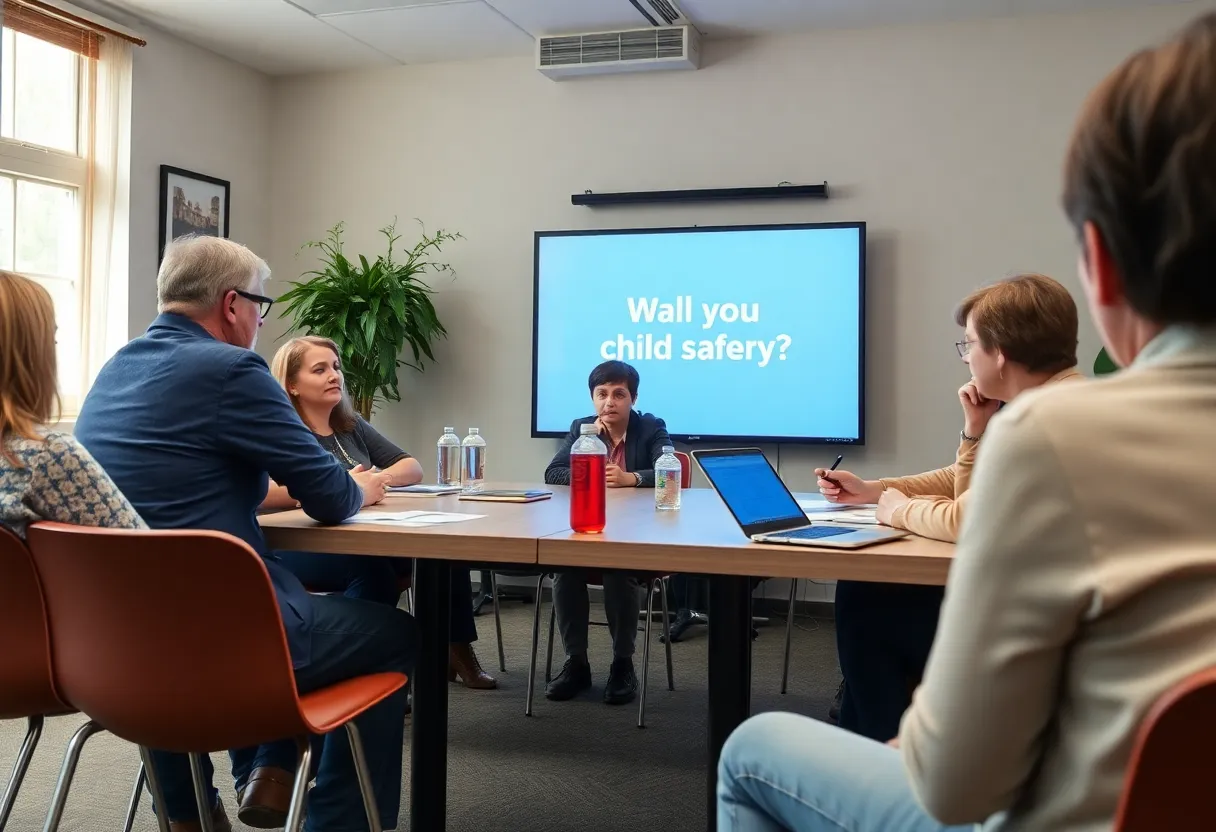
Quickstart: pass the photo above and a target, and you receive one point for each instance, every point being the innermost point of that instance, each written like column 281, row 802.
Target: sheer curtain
column 108, row 237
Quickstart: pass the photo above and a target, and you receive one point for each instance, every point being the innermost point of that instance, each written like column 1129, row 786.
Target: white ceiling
column 285, row 37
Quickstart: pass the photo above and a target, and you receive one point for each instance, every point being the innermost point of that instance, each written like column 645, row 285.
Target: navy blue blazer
column 644, row 441
column 190, row 428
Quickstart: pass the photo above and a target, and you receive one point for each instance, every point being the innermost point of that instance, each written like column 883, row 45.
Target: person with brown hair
column 44, row 474
column 1083, row 587
column 1019, row 334
column 310, row 371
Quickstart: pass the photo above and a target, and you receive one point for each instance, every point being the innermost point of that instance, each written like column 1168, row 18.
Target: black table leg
column 730, row 672
column 429, row 773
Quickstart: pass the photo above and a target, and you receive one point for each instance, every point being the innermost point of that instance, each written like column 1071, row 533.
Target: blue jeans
column 374, row 578
column 787, row 773
column 349, row 638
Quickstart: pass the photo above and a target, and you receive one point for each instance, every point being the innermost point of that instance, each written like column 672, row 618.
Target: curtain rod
column 84, row 23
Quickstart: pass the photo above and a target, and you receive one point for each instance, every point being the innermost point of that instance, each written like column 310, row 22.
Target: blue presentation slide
column 736, row 333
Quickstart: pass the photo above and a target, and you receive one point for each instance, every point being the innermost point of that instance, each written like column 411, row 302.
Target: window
column 44, row 173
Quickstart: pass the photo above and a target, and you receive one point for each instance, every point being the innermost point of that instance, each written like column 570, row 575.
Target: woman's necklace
column 342, row 451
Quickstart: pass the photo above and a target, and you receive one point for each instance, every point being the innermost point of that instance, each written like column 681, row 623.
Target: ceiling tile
column 269, row 35
column 347, row 6
column 437, row 32
column 546, row 17
column 726, row 18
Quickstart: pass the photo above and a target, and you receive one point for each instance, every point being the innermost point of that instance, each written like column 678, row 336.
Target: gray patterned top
column 59, row 481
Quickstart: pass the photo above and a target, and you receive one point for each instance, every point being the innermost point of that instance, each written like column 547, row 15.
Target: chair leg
column 413, row 583
column 70, row 759
column 158, row 797
column 299, row 790
column 32, row 734
column 646, row 654
column 789, row 633
column 552, row 628
column 535, row 644
column 202, row 800
column 133, row 803
column 502, row 655
column 662, row 586
column 365, row 778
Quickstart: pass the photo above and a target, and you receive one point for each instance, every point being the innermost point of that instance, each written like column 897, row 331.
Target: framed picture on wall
column 192, row 203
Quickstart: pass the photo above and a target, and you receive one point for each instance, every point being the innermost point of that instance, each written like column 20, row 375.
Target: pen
column 839, row 459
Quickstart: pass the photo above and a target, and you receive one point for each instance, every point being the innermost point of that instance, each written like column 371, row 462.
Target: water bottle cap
column 669, row 449
column 589, row 430
column 449, row 430
column 474, row 431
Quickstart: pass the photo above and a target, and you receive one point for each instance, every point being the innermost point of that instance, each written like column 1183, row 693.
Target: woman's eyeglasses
column 963, row 347
column 264, row 303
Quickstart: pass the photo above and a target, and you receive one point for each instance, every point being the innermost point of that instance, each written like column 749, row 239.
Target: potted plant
column 371, row 310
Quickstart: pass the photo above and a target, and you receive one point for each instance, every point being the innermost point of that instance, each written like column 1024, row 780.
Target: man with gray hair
column 190, row 424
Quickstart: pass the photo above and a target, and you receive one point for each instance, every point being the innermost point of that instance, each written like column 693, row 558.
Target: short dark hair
column 614, row 372
column 1141, row 167
column 1030, row 318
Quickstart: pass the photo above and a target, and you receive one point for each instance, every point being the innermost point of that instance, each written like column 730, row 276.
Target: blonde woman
column 44, row 474
column 311, row 372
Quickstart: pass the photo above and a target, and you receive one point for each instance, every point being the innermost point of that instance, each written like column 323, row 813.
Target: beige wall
column 192, row 109
column 946, row 139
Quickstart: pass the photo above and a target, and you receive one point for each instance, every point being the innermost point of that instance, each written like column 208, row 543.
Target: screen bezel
column 689, row 438
column 779, row 525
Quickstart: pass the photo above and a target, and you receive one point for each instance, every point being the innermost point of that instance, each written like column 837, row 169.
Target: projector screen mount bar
column 787, row 191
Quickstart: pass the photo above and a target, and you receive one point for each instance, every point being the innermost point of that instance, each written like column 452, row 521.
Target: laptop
column 765, row 509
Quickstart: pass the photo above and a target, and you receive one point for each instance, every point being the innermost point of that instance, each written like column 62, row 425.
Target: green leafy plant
column 1103, row 363
column 371, row 310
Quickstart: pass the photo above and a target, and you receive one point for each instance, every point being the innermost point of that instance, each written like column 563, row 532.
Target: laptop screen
column 752, row 490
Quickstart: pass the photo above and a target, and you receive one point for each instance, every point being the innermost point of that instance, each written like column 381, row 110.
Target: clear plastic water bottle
column 667, row 475
column 447, row 471
column 588, row 497
column 473, row 461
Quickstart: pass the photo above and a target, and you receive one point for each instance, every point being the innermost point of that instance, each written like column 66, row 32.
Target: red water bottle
column 587, row 487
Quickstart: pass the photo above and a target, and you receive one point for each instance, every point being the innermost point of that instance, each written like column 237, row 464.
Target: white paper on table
column 820, row 505
column 412, row 518
column 854, row 516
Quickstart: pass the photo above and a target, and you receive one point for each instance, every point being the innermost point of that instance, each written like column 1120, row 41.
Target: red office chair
column 137, row 638
column 685, row 469
column 26, row 686
column 1171, row 771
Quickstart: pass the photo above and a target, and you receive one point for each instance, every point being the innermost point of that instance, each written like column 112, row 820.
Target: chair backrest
column 26, row 688
column 685, row 469
column 1173, row 767
column 167, row 639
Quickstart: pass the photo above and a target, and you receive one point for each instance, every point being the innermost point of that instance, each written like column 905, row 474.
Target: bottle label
column 666, row 481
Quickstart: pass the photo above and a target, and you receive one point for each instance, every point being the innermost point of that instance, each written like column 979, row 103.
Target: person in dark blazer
column 635, row 440
column 189, row 424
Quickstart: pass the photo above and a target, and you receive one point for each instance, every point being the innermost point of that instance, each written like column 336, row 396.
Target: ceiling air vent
column 628, row 50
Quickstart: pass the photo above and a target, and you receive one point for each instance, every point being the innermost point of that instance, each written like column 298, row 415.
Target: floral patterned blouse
column 60, row 481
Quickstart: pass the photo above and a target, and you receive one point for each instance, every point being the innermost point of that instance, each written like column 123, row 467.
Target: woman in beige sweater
column 1019, row 334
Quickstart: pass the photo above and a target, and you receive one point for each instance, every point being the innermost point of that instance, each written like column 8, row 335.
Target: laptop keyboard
column 815, row 532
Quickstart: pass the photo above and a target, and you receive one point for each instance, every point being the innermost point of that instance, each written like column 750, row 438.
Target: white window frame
column 23, row 160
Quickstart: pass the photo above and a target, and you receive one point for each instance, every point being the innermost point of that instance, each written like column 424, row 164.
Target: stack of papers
column 822, row 510
column 411, row 519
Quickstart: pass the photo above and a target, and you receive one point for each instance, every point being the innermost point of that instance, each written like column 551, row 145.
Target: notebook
column 421, row 490
column 507, row 495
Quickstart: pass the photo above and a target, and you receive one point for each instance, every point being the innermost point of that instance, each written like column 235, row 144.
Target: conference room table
column 702, row 538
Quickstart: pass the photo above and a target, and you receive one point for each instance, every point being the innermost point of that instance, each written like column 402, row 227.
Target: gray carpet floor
column 578, row 765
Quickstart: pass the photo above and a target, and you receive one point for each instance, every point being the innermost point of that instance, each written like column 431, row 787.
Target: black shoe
column 834, row 710
column 622, row 684
column 573, row 680
column 684, row 620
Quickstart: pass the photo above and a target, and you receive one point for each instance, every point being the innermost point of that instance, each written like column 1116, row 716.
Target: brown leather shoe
column 266, row 798
column 219, row 822
column 463, row 663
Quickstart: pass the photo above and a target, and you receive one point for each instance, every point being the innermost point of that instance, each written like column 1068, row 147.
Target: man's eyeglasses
column 264, row 303
column 963, row 347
